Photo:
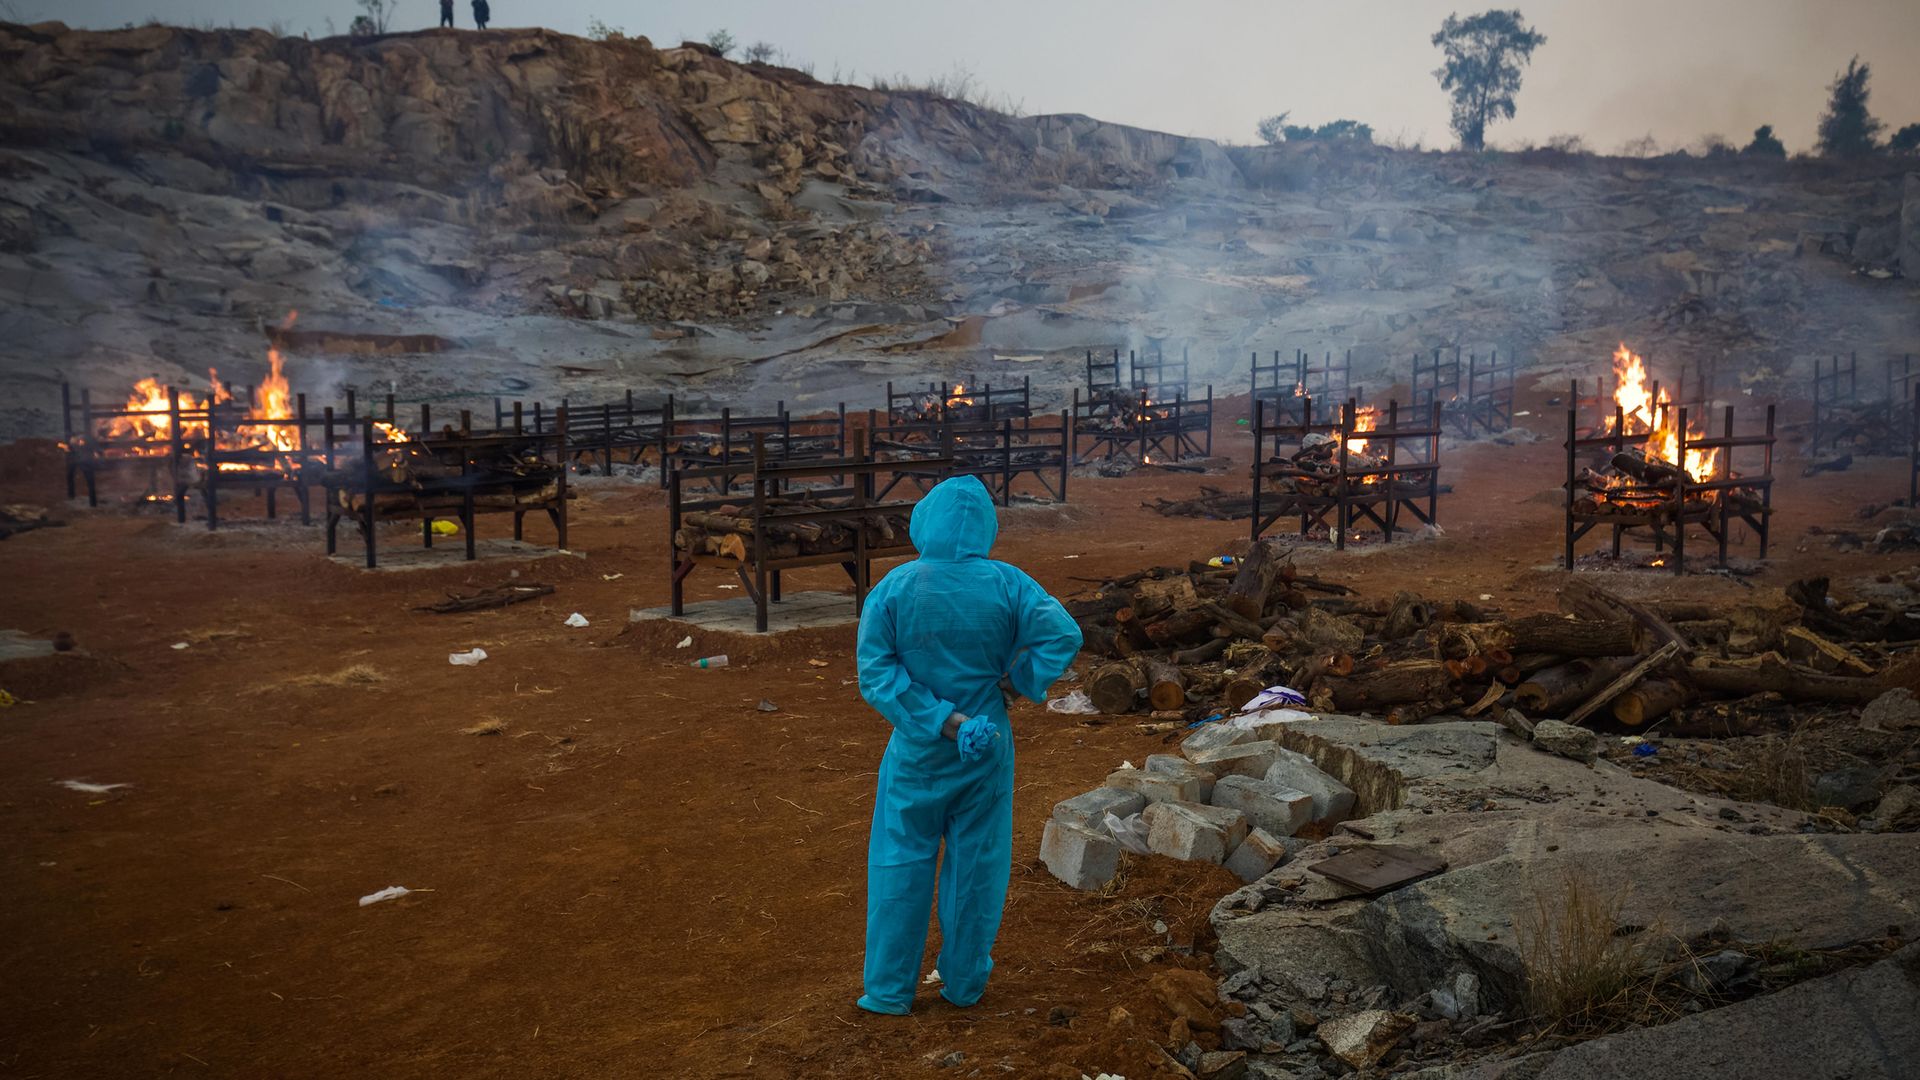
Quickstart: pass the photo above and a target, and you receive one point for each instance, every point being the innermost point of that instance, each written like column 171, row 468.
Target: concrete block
column 1251, row 760
column 1332, row 800
column 1090, row 810
column 1260, row 852
column 1212, row 737
column 1280, row 811
column 1177, row 766
column 1155, row 787
column 1193, row 831
column 1079, row 856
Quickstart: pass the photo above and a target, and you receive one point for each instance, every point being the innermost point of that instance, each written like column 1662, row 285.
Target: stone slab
column 735, row 614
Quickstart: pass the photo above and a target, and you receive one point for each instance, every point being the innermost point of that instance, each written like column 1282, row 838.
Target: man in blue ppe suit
column 939, row 638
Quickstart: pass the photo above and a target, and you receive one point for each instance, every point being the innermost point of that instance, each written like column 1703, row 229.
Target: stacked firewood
column 1190, row 642
column 728, row 531
column 505, row 474
column 1211, row 503
column 1638, row 484
column 1314, row 470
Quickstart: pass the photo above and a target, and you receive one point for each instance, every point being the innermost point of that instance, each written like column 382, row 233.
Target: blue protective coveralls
column 936, row 637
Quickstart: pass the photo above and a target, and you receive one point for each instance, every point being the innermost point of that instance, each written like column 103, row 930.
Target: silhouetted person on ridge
column 446, row 12
column 481, row 13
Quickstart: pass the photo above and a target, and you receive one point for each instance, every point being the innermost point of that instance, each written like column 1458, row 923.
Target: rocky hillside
column 554, row 216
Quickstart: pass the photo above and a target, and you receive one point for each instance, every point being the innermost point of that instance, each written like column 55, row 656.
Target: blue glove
column 977, row 737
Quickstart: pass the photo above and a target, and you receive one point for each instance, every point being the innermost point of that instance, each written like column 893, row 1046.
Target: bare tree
column 1484, row 54
column 378, row 14
column 761, row 52
column 721, row 41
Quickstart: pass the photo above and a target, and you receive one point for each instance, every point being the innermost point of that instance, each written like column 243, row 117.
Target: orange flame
column 1366, row 419
column 1655, row 417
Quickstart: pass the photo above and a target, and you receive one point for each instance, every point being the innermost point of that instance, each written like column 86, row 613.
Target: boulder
column 1280, row 811
column 1566, row 740
column 1365, row 1037
column 1897, row 709
column 1181, row 769
column 1193, row 831
column 1332, row 800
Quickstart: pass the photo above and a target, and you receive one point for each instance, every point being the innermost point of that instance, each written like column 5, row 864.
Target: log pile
column 1212, row 504
column 1638, row 484
column 503, row 476
column 1314, row 471
column 1189, row 642
column 728, row 531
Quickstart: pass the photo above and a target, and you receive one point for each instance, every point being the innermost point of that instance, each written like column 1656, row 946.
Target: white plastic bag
column 467, row 659
column 1275, row 697
column 576, row 620
column 1131, row 832
column 1074, row 704
column 391, row 892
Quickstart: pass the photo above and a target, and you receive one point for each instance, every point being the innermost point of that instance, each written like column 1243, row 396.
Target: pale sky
column 1611, row 70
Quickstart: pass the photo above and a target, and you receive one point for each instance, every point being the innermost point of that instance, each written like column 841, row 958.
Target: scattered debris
column 90, row 788
column 496, row 597
column 576, row 620
column 491, row 726
column 470, row 658
column 391, row 892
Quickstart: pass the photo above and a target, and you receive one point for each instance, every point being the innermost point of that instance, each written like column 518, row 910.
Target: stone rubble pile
column 1229, row 797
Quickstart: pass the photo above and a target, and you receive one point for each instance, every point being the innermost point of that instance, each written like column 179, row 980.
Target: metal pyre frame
column 451, row 475
column 1378, row 491
column 1717, row 503
column 956, row 402
column 772, row 509
column 998, row 454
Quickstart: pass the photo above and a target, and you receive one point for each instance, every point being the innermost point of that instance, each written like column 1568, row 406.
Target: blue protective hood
column 954, row 521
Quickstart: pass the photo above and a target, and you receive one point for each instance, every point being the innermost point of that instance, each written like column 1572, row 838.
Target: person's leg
column 907, row 818
column 973, row 880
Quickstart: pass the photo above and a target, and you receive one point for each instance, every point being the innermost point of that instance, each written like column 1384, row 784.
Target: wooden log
column 1543, row 633
column 1408, row 616
column 1584, row 598
column 1152, row 599
column 1396, row 683
column 1633, row 675
column 1771, row 672
column 1181, row 627
column 496, row 597
column 1554, row 690
column 1248, row 684
column 1233, row 620
column 1116, row 688
column 1255, row 578
column 1100, row 641
column 1651, row 700
column 1818, row 653
column 1202, row 653
column 1166, row 686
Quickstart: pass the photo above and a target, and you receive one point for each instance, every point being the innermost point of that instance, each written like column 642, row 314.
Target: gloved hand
column 977, row 738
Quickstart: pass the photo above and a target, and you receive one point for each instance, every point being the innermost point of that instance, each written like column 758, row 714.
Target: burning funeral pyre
column 1662, row 471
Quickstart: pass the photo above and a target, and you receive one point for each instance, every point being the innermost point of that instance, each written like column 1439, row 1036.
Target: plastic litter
column 1220, row 561
column 576, row 620
column 443, row 527
column 1130, row 831
column 1645, row 749
column 8, row 701
column 391, row 892
column 179, row 644
column 932, row 978
column 711, row 661
column 767, row 706
column 87, row 788
column 1275, row 697
column 1074, row 704
column 685, row 642
column 468, row 658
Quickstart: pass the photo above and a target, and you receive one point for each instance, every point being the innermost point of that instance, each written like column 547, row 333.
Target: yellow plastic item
column 443, row 527
column 6, row 700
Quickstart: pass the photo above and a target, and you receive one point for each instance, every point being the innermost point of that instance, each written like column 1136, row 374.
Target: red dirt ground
column 642, row 875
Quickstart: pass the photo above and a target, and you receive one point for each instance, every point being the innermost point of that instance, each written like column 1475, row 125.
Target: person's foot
column 868, row 1003
column 958, row 1004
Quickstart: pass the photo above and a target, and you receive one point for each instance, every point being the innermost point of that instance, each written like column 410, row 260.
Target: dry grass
column 490, row 726
column 1585, row 968
column 356, row 675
